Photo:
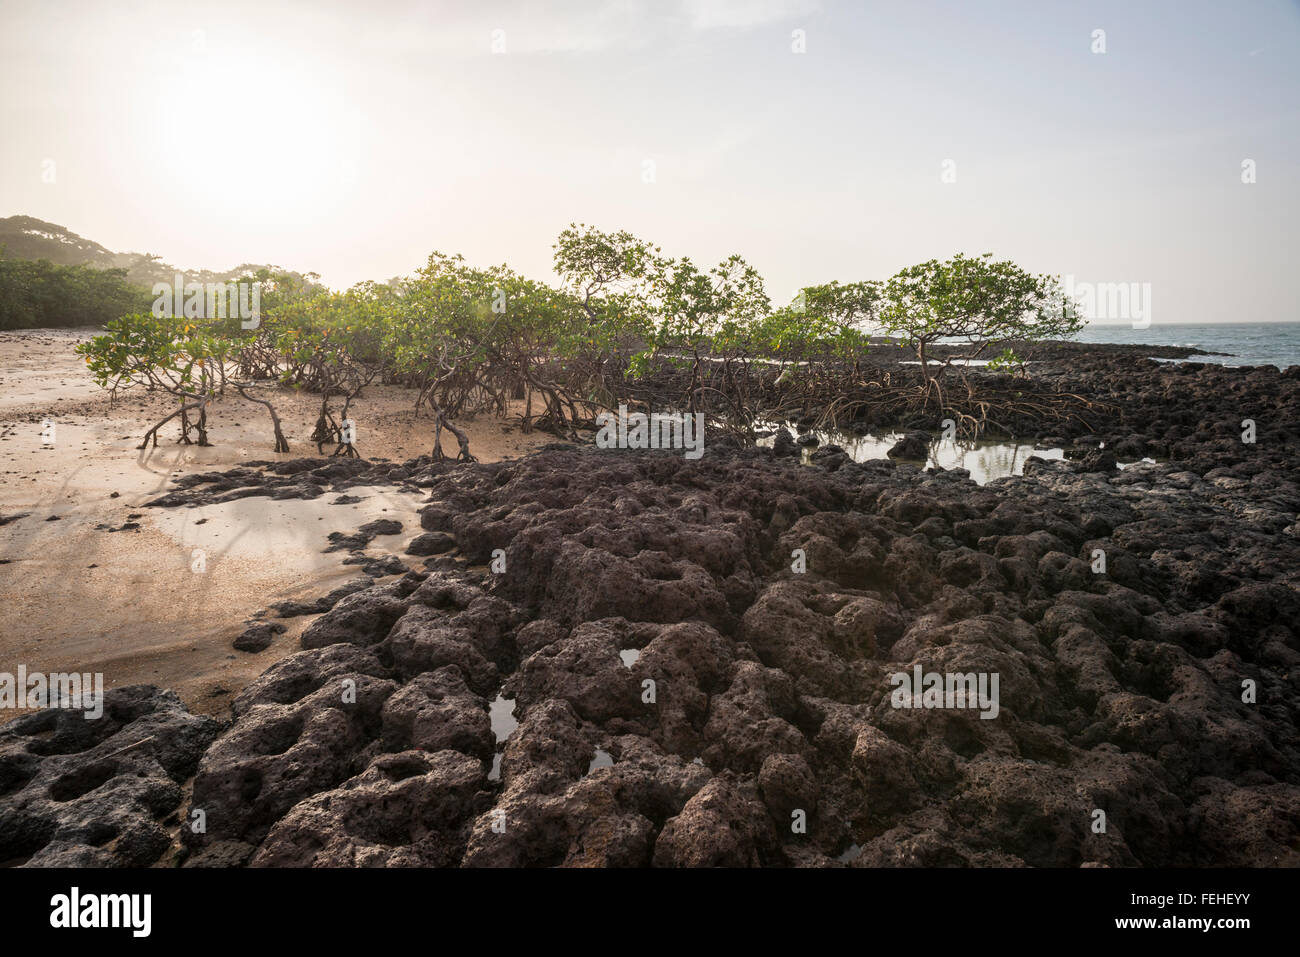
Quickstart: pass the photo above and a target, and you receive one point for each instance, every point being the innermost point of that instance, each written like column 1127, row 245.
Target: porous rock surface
column 756, row 726
column 698, row 655
column 104, row 792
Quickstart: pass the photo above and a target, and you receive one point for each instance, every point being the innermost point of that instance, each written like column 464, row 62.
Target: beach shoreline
column 80, row 595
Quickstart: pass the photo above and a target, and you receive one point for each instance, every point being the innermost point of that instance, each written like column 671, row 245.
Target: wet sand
column 134, row 604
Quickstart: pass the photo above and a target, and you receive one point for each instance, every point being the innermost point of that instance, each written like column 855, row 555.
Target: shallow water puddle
column 294, row 529
column 973, row 363
column 851, row 854
column 501, row 714
column 984, row 459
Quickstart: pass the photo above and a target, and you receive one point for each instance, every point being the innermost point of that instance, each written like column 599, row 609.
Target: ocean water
column 1250, row 344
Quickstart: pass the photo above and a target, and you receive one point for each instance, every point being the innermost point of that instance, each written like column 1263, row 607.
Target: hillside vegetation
column 52, row 277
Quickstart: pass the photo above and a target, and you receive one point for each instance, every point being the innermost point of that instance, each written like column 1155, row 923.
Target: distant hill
column 26, row 237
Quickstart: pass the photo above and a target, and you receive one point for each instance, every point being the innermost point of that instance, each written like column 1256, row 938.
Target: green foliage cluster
column 977, row 301
column 673, row 305
column 469, row 338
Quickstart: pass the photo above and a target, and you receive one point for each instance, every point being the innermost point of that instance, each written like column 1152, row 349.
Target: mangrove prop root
column 281, row 444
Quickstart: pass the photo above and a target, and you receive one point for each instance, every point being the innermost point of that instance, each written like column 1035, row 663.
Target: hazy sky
column 355, row 138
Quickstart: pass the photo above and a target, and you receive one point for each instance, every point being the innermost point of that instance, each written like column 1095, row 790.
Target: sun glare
column 259, row 135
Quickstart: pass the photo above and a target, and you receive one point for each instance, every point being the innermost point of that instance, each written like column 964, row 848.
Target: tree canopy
column 627, row 323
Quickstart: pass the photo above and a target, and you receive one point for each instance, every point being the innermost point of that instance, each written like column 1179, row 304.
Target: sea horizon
column 1274, row 343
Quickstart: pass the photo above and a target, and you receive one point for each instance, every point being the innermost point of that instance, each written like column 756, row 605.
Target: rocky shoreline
column 700, row 659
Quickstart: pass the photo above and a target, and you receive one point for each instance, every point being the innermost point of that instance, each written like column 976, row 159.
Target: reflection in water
column 951, row 362
column 985, row 460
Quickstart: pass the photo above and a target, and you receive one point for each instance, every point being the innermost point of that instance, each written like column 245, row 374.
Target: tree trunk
column 462, row 439
column 281, row 444
column 198, row 403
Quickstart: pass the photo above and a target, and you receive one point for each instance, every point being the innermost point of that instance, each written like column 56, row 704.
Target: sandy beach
column 79, row 595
